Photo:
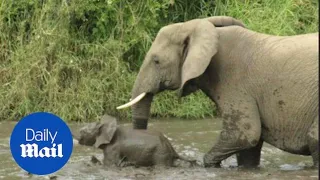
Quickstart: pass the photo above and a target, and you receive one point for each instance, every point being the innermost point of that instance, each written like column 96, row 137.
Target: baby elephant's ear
column 107, row 129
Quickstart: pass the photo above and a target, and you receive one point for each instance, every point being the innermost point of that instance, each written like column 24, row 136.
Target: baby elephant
column 126, row 146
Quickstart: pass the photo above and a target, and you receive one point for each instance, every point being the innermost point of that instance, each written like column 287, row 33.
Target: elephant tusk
column 132, row 102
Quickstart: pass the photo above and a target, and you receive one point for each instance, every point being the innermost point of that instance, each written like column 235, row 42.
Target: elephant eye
column 155, row 59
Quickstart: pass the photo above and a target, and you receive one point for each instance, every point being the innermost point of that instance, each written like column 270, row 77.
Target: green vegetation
column 79, row 58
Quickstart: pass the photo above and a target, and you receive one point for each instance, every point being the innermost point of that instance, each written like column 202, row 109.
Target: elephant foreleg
column 313, row 142
column 250, row 157
column 241, row 131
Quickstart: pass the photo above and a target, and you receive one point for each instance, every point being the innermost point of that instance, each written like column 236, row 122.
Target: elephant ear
column 201, row 44
column 107, row 128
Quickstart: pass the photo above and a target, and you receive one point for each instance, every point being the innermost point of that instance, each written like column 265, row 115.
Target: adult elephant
column 265, row 86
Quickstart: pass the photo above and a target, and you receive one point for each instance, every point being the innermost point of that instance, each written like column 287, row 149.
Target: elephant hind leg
column 250, row 158
column 313, row 142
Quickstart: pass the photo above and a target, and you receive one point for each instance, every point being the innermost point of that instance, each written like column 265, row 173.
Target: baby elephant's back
column 148, row 147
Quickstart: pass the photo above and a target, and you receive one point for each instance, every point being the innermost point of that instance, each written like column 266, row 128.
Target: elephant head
column 179, row 53
column 99, row 133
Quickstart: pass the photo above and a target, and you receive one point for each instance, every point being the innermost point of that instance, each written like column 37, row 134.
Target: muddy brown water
column 191, row 138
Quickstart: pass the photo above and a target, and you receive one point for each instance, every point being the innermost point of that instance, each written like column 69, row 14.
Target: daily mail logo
column 41, row 143
column 32, row 150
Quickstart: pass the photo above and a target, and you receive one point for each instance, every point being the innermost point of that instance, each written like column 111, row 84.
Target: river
column 190, row 138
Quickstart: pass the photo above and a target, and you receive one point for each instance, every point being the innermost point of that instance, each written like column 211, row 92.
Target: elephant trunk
column 140, row 102
column 146, row 87
column 141, row 111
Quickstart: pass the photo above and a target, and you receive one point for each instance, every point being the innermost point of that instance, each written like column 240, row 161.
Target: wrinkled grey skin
column 265, row 86
column 124, row 146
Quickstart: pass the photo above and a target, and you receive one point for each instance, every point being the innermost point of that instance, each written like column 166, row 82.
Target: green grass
column 79, row 59
column 278, row 17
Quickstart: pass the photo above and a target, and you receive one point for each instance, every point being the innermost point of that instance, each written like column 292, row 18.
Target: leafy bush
column 79, row 59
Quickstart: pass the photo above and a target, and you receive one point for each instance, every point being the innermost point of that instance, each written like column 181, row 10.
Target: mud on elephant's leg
column 241, row 130
column 313, row 141
column 249, row 158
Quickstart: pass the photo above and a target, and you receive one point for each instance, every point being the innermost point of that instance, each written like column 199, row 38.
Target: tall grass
column 78, row 59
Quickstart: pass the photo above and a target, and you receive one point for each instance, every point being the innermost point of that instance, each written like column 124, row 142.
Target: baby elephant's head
column 98, row 133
